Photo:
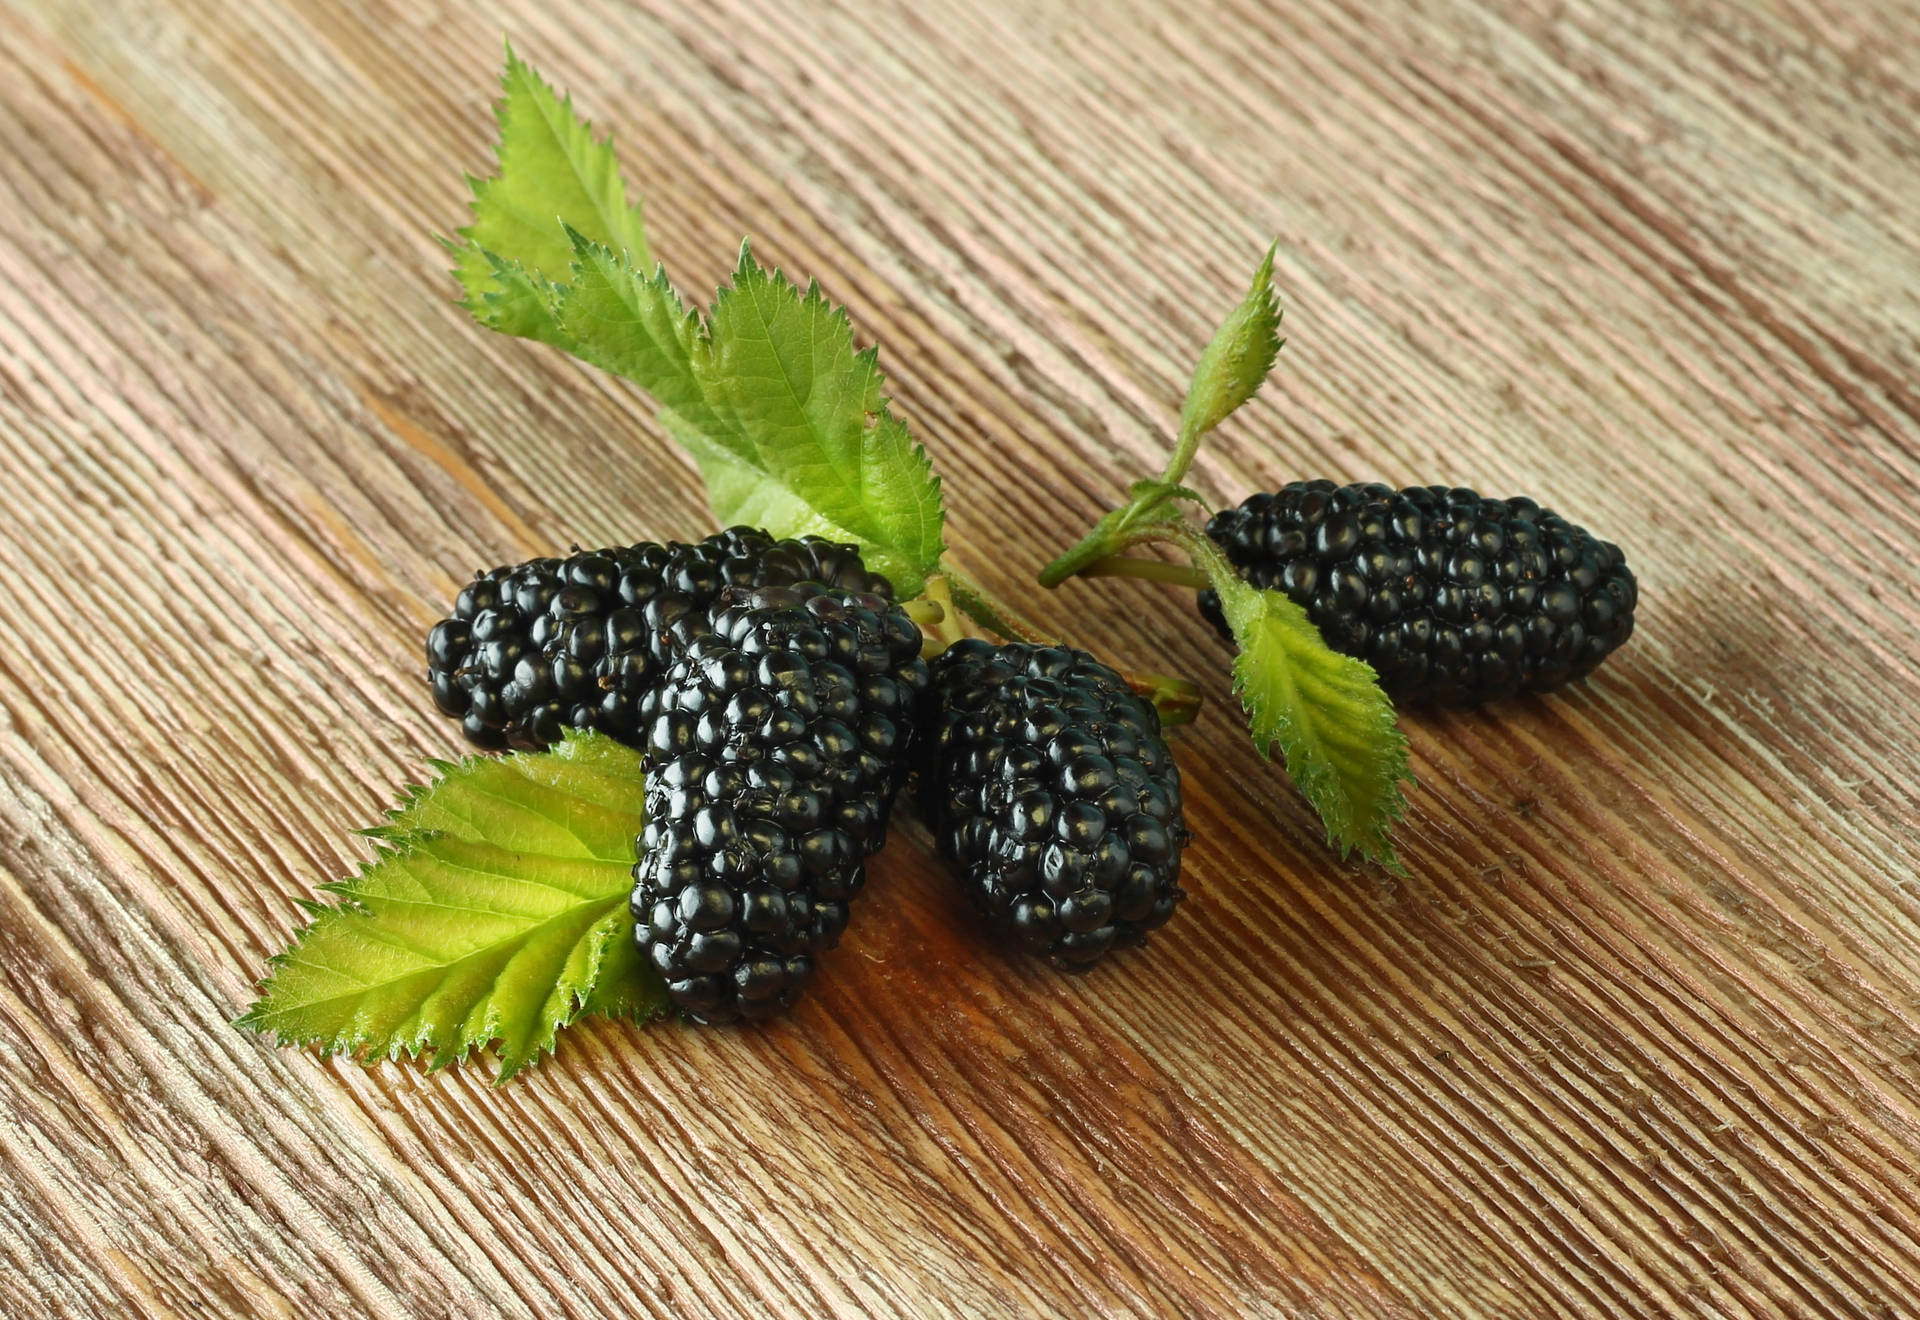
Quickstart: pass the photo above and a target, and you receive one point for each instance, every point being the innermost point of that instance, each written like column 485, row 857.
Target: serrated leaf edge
column 1314, row 773
column 393, row 846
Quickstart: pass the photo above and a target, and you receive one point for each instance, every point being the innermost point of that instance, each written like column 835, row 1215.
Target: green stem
column 941, row 624
column 1102, row 541
column 989, row 613
column 1181, row 458
column 1177, row 699
column 1148, row 570
column 1210, row 563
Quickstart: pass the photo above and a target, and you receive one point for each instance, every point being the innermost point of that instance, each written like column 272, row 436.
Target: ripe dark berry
column 775, row 746
column 1047, row 781
column 531, row 649
column 1450, row 597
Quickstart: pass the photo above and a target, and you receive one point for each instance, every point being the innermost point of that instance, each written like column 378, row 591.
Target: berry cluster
column 1046, row 778
column 775, row 746
column 533, row 648
column 779, row 697
column 777, row 693
column 1450, row 597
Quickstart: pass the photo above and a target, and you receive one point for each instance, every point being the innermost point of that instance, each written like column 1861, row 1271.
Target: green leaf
column 550, row 168
column 635, row 326
column 516, row 302
column 749, row 497
column 1231, row 368
column 1229, row 373
column 789, row 423
column 809, row 433
column 494, row 910
column 1325, row 711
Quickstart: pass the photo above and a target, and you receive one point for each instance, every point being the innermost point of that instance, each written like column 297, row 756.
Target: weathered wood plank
column 1635, row 1035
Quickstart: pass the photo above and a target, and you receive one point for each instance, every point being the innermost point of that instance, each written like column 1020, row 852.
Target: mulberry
column 775, row 747
column 1450, row 597
column 1047, row 780
column 536, row 647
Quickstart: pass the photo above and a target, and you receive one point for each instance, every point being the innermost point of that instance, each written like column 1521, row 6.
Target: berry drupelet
column 1047, row 781
column 775, row 747
column 1450, row 597
column 536, row 647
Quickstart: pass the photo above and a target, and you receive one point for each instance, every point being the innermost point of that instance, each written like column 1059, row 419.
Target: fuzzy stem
column 1210, row 564
column 1209, row 560
column 989, row 613
column 1148, row 570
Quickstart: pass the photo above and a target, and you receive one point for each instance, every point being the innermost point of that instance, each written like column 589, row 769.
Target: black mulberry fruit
column 533, row 648
column 775, row 746
column 1046, row 779
column 1450, row 597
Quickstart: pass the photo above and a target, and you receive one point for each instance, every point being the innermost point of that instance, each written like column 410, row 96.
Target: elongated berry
column 774, row 749
column 1046, row 780
column 536, row 647
column 1450, row 597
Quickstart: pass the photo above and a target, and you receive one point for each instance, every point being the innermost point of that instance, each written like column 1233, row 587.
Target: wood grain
column 1637, row 1033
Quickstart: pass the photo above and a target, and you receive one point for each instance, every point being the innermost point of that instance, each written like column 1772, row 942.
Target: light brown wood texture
column 1635, row 1036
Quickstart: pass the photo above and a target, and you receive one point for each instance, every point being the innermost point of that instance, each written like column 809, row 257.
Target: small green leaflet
column 1231, row 368
column 549, row 165
column 632, row 325
column 1325, row 711
column 789, row 423
column 811, row 416
column 1229, row 373
column 494, row 910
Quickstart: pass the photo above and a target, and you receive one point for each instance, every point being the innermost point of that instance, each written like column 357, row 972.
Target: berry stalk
column 1177, row 700
column 1145, row 570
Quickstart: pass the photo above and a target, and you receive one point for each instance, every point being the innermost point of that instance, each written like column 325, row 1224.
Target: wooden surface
column 1637, row 1034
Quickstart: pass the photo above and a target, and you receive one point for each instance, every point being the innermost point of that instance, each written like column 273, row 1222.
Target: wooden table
column 1635, row 1036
